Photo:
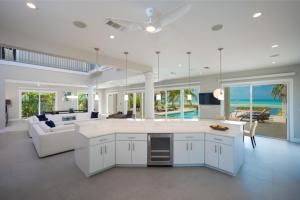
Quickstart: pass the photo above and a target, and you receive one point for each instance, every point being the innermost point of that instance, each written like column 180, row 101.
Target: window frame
column 39, row 91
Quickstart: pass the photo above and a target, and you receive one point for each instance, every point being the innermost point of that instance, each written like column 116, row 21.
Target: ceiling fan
column 154, row 23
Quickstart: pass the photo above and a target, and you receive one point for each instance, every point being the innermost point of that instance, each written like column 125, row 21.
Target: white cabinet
column 95, row 154
column 218, row 154
column 226, row 161
column 131, row 149
column 197, row 152
column 139, row 152
column 211, row 154
column 181, row 153
column 188, row 149
column 123, row 152
column 109, row 154
column 102, row 156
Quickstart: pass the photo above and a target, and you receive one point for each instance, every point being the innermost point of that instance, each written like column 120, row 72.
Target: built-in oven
column 160, row 149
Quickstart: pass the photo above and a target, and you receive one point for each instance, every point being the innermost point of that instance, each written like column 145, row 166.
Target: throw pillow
column 50, row 123
column 94, row 115
column 42, row 117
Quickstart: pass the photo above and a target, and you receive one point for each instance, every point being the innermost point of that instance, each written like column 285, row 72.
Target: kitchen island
column 100, row 145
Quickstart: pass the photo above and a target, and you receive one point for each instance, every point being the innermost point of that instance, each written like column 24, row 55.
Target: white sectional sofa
column 49, row 141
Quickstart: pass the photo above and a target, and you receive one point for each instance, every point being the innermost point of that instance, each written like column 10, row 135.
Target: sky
column 263, row 92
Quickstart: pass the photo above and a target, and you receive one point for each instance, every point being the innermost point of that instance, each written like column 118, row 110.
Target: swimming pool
column 187, row 115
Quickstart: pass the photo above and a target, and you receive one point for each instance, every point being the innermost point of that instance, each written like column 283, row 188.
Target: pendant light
column 189, row 96
column 219, row 92
column 158, row 96
column 126, row 95
column 96, row 95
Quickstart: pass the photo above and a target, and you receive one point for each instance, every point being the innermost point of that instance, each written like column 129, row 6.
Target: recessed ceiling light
column 217, row 27
column 274, row 55
column 31, row 5
column 79, row 24
column 179, row 65
column 256, row 15
column 150, row 29
column 273, row 62
column 275, row 45
column 112, row 37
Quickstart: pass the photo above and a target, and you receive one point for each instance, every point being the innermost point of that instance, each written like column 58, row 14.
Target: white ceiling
column 246, row 41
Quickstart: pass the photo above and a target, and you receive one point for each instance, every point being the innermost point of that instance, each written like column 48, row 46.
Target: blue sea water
column 274, row 105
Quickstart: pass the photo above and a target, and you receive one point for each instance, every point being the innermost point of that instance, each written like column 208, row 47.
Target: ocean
column 274, row 105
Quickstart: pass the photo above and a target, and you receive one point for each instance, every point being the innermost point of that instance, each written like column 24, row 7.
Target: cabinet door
column 139, row 152
column 96, row 158
column 123, row 152
column 196, row 152
column 211, row 154
column 109, row 154
column 226, row 156
column 181, row 154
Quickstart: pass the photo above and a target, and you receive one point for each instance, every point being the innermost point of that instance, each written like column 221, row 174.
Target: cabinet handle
column 133, row 146
column 128, row 146
column 187, row 146
column 101, row 150
column 105, row 149
column 220, row 150
column 191, row 146
column 215, row 148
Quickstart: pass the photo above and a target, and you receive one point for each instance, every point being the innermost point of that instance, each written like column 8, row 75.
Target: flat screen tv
column 208, row 99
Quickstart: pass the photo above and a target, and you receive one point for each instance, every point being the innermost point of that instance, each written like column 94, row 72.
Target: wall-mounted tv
column 208, row 99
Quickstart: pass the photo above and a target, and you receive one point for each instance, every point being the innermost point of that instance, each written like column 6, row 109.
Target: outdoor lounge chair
column 256, row 116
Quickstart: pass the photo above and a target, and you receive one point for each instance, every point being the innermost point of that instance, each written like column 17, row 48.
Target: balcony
column 42, row 59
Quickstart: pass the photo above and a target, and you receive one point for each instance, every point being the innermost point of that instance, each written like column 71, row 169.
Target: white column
column 91, row 100
column 149, row 95
column 103, row 102
column 2, row 104
column 182, row 103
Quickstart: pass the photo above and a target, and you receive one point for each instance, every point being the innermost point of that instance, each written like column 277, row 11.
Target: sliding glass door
column 269, row 109
column 265, row 103
column 36, row 102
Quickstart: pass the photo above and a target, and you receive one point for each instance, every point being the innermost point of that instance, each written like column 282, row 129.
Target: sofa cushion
column 44, row 127
column 42, row 117
column 50, row 123
column 94, row 115
column 63, row 127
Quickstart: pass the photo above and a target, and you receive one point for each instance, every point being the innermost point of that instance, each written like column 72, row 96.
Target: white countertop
column 91, row 129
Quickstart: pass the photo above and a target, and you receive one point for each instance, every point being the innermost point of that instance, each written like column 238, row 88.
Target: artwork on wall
column 66, row 94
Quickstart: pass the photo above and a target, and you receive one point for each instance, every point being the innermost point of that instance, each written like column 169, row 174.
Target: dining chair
column 251, row 133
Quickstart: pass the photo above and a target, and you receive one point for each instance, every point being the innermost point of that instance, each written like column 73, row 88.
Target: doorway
column 265, row 102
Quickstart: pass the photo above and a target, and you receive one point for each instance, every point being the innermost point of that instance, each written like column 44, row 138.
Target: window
column 191, row 109
column 83, row 101
column 36, row 102
column 174, row 104
column 160, row 105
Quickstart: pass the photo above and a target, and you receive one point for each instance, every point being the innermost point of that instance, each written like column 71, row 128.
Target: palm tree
column 191, row 92
column 279, row 91
column 173, row 96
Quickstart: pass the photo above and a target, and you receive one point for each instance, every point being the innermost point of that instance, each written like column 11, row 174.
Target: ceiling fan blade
column 173, row 15
column 126, row 24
